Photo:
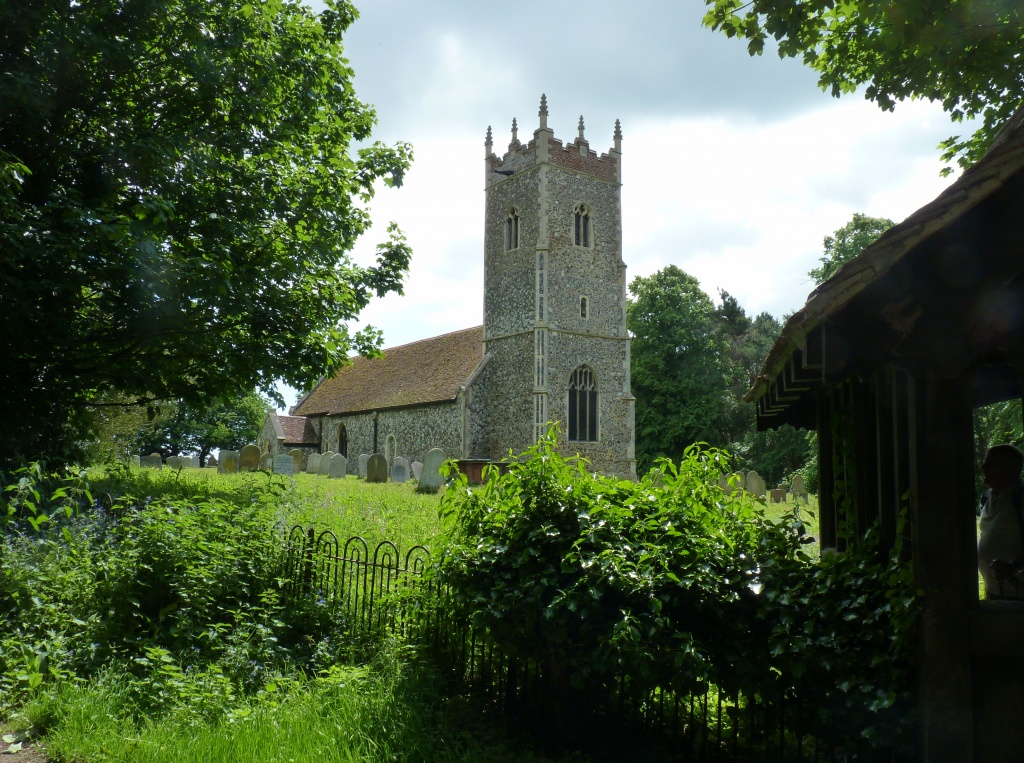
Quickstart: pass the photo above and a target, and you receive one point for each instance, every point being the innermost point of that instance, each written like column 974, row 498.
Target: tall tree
column 179, row 192
column 847, row 242
column 677, row 372
column 203, row 427
column 964, row 54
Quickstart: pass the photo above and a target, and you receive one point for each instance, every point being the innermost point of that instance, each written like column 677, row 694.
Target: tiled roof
column 298, row 430
column 428, row 371
column 1003, row 160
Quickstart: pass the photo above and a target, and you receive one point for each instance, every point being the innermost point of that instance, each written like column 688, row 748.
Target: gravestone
column 417, row 469
column 723, row 483
column 431, row 474
column 152, row 461
column 363, row 458
column 738, row 480
column 376, row 468
column 249, row 458
column 266, row 461
column 228, row 462
column 755, row 484
column 325, row 463
column 313, row 463
column 136, row 460
column 296, row 455
column 339, row 466
column 799, row 491
column 778, row 495
column 400, row 470
column 212, row 460
column 284, row 464
column 173, row 462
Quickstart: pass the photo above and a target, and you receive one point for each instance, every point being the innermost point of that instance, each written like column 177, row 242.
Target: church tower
column 555, row 339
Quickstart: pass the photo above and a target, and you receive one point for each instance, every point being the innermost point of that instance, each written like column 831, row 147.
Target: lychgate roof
column 428, row 371
column 883, row 303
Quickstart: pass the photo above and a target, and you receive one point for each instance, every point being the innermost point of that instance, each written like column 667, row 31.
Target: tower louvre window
column 582, row 227
column 583, row 405
column 512, row 230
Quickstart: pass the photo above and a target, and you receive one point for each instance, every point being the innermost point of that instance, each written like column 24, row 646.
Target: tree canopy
column 676, row 367
column 180, row 186
column 847, row 242
column 204, row 427
column 964, row 54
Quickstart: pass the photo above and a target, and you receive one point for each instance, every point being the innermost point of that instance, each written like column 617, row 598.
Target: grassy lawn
column 152, row 706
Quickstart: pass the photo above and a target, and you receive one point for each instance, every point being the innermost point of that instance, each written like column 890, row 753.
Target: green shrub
column 671, row 582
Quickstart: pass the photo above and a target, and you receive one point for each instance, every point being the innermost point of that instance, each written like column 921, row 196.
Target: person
column 1001, row 536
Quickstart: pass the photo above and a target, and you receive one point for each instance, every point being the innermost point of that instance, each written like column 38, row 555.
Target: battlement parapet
column 544, row 147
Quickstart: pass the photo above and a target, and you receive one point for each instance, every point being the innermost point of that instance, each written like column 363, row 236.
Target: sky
column 734, row 168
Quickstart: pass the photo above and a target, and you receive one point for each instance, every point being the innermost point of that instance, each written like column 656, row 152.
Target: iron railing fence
column 385, row 593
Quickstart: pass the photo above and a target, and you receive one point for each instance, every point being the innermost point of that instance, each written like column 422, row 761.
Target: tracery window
column 583, row 405
column 512, row 230
column 582, row 228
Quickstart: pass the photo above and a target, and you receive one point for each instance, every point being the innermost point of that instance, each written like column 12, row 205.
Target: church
column 553, row 345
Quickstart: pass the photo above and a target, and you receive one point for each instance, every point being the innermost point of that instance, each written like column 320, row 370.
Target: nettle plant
column 597, row 577
column 672, row 582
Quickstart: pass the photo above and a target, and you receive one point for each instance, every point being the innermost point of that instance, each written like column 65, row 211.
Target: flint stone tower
column 555, row 341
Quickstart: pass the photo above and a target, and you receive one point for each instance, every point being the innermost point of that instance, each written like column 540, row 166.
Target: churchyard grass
column 255, row 682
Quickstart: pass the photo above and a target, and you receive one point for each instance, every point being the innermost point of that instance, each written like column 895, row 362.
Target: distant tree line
column 693, row 360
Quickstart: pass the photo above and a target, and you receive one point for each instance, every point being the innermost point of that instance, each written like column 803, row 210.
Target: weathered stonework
column 535, row 331
column 416, row 430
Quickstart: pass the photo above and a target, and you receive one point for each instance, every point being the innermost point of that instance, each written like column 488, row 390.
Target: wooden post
column 945, row 559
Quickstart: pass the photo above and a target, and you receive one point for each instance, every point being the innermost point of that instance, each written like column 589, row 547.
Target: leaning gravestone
column 313, row 464
column 136, row 460
column 284, row 464
column 296, row 456
column 755, row 484
column 431, row 474
column 325, row 463
column 249, row 458
column 266, row 461
column 799, row 491
column 417, row 469
column 376, row 468
column 339, row 466
column 400, row 470
column 212, row 460
column 228, row 462
column 363, row 458
column 152, row 461
column 173, row 462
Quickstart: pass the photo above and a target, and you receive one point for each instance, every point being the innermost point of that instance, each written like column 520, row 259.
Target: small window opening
column 584, row 308
column 512, row 230
column 582, row 237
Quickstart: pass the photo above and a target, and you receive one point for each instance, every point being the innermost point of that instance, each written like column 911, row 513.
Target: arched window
column 583, row 236
column 512, row 230
column 343, row 440
column 583, row 405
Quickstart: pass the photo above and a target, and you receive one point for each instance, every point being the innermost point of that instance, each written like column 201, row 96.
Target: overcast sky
column 734, row 168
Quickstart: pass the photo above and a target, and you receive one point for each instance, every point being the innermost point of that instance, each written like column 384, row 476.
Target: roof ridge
column 424, row 339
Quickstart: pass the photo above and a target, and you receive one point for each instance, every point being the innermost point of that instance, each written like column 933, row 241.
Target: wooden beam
column 945, row 565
